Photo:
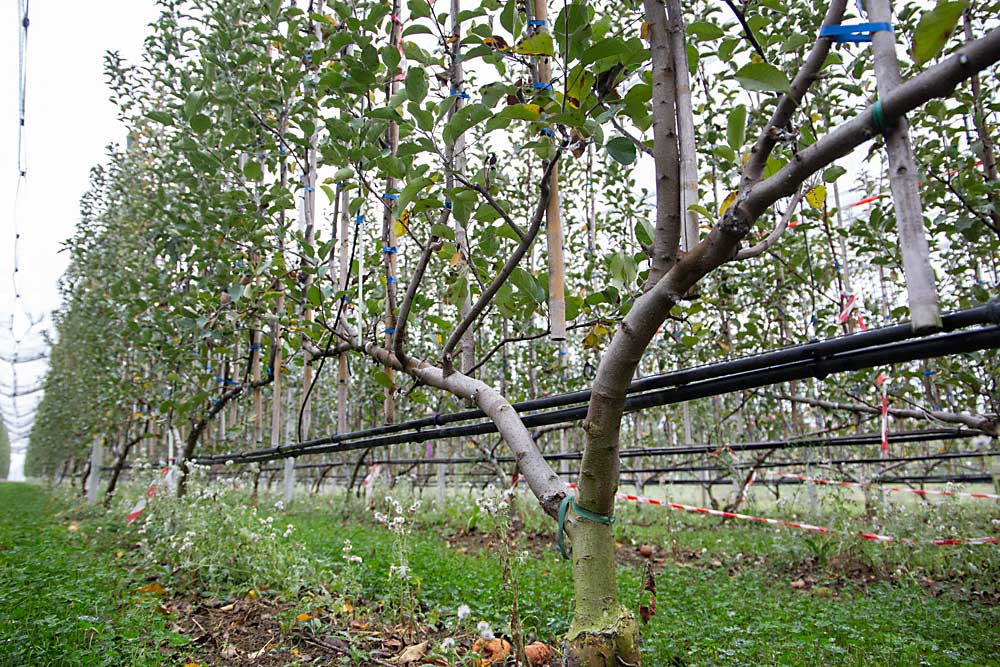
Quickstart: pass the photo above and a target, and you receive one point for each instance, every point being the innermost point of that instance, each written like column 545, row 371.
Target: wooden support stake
column 553, row 220
column 925, row 314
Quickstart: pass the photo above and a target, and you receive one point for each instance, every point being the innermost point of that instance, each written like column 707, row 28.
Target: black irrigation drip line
column 819, row 359
column 841, row 441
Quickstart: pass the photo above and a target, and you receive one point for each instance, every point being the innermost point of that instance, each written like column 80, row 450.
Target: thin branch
column 747, row 31
column 508, row 268
column 772, row 238
column 492, row 202
column 411, row 290
column 808, row 73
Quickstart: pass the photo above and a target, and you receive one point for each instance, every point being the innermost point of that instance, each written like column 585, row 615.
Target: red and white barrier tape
column 874, row 537
column 370, row 477
column 140, row 506
column 889, row 489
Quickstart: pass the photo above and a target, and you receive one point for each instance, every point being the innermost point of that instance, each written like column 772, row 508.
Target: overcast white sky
column 69, row 121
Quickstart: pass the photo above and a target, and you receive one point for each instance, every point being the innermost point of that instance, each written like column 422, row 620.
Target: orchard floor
column 78, row 588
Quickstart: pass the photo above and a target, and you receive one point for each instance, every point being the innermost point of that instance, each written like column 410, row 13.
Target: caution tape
column 873, row 537
column 166, row 474
column 888, row 489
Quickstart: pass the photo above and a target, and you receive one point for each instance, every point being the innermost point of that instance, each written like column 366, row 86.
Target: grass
column 67, row 598
column 61, row 601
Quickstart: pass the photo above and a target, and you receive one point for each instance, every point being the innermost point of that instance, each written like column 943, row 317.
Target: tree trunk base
column 615, row 646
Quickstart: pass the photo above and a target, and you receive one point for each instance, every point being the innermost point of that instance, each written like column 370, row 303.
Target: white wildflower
column 463, row 612
column 448, row 644
column 288, row 531
column 398, row 571
column 484, row 631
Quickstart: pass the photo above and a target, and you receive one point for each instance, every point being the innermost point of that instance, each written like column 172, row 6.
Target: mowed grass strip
column 705, row 617
column 62, row 602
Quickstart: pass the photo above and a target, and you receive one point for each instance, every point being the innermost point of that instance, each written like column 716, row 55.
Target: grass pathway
column 61, row 603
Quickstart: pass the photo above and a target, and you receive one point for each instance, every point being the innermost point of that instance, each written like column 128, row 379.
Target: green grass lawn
column 68, row 597
column 61, row 601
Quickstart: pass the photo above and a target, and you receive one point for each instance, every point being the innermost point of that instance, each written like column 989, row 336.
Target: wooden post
column 455, row 164
column 553, row 221
column 388, row 228
column 921, row 289
column 685, row 126
column 96, row 461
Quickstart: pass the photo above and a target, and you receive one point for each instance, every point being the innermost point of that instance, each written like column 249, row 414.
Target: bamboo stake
column 308, row 226
column 388, row 229
column 553, row 229
column 455, row 164
column 918, row 274
column 96, row 461
column 685, row 125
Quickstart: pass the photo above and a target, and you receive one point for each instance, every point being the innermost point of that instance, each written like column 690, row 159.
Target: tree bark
column 925, row 314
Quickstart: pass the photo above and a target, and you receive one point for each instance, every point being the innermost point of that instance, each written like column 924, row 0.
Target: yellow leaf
column 303, row 617
column 192, row 664
column 347, row 608
column 295, row 651
column 456, row 259
column 155, row 588
column 228, row 607
column 816, row 196
column 495, row 42
column 727, row 202
column 398, row 228
column 252, row 594
column 644, row 30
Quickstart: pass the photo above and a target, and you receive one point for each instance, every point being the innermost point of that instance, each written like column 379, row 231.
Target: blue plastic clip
column 359, row 219
column 390, row 330
column 836, row 265
column 447, row 203
column 310, row 188
column 460, row 94
column 390, row 248
column 537, row 22
column 390, row 196
column 928, row 372
column 255, row 347
column 541, row 85
column 390, row 279
column 340, row 184
column 855, row 32
column 548, row 132
column 309, row 56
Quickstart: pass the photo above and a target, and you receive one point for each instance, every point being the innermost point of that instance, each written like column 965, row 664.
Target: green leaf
column 763, row 77
column 464, row 120
column 622, row 150
column 200, row 123
column 522, row 112
column 539, row 44
column 161, row 117
column 644, row 232
column 831, row 174
column 736, row 127
column 704, row 30
column 934, row 29
column 443, row 231
column 416, row 84
column 383, row 379
column 253, row 170
column 603, row 49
